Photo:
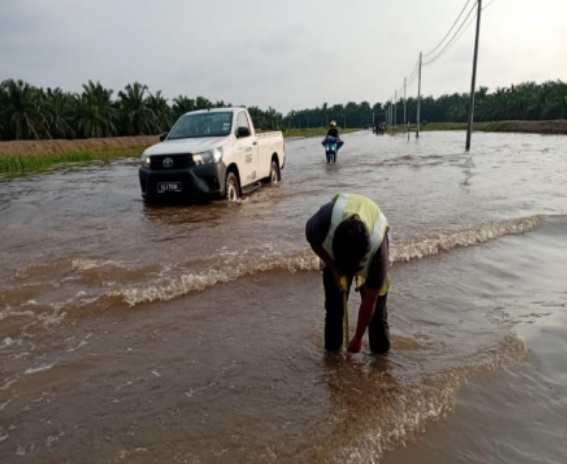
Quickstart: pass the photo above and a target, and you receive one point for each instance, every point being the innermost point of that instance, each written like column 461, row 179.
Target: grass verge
column 432, row 126
column 558, row 126
column 13, row 165
column 313, row 132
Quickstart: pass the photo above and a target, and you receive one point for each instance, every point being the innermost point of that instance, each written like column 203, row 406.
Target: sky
column 289, row 54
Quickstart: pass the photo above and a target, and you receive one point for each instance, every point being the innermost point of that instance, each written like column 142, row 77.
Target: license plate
column 163, row 187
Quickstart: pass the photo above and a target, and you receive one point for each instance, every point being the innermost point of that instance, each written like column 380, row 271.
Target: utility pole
column 419, row 97
column 395, row 108
column 473, row 79
column 405, row 101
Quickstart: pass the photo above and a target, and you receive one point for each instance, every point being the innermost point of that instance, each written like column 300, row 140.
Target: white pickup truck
column 214, row 154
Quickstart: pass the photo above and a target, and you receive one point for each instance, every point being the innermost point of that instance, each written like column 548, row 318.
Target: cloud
column 263, row 52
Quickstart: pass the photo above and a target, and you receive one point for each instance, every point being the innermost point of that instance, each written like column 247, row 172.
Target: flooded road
column 193, row 333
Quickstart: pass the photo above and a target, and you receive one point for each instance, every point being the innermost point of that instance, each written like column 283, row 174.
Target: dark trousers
column 378, row 330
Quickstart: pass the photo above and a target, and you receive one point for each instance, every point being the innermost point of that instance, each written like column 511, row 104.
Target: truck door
column 247, row 151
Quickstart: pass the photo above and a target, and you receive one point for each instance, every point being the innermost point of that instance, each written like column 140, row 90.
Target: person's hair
column 351, row 243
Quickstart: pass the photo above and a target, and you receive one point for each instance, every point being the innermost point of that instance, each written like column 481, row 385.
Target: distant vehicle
column 332, row 145
column 380, row 128
column 211, row 154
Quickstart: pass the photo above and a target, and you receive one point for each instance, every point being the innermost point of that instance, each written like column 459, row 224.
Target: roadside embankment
column 558, row 126
column 313, row 132
column 22, row 156
column 13, row 165
column 47, row 147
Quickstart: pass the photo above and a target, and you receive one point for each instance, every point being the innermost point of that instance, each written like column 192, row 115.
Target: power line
column 471, row 20
column 466, row 27
column 449, row 31
column 462, row 28
column 414, row 74
column 453, row 39
column 413, row 77
column 415, row 68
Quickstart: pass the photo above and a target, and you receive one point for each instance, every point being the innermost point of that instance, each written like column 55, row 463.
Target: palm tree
column 273, row 118
column 554, row 102
column 59, row 108
column 160, row 110
column 182, row 105
column 20, row 110
column 136, row 117
column 202, row 103
column 97, row 116
column 260, row 121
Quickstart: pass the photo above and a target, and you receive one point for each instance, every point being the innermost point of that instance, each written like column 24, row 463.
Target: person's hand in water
column 355, row 345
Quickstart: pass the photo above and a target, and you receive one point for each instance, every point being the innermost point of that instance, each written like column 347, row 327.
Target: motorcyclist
column 333, row 131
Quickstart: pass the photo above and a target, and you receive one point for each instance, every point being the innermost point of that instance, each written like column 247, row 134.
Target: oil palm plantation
column 182, row 105
column 29, row 112
column 97, row 116
column 59, row 110
column 136, row 117
column 160, row 110
column 20, row 110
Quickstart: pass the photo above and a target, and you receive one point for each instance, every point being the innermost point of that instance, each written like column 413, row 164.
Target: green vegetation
column 313, row 132
column 558, row 126
column 347, row 116
column 29, row 112
column 445, row 126
column 497, row 126
column 528, row 101
column 14, row 165
column 432, row 126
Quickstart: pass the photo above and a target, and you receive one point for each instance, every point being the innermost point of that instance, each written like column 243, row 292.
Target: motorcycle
column 332, row 145
column 380, row 129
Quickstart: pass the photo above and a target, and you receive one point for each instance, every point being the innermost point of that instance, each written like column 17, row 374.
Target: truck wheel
column 232, row 188
column 274, row 173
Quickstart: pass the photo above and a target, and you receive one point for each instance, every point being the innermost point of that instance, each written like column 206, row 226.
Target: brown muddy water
column 193, row 333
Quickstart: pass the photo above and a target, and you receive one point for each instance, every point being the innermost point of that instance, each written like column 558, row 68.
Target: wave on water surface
column 238, row 266
column 110, row 284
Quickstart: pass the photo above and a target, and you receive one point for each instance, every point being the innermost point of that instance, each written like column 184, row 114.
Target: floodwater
column 193, row 333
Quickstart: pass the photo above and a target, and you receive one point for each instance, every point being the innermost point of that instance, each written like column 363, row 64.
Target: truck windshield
column 213, row 124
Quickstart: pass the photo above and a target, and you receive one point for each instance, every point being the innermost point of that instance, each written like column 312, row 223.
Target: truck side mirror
column 163, row 136
column 242, row 132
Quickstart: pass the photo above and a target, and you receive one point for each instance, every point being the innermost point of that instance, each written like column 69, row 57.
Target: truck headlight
column 146, row 161
column 208, row 157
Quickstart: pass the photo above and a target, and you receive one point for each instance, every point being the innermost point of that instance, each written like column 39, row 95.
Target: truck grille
column 177, row 162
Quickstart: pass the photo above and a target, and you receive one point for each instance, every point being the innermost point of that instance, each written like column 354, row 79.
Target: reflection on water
column 193, row 333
